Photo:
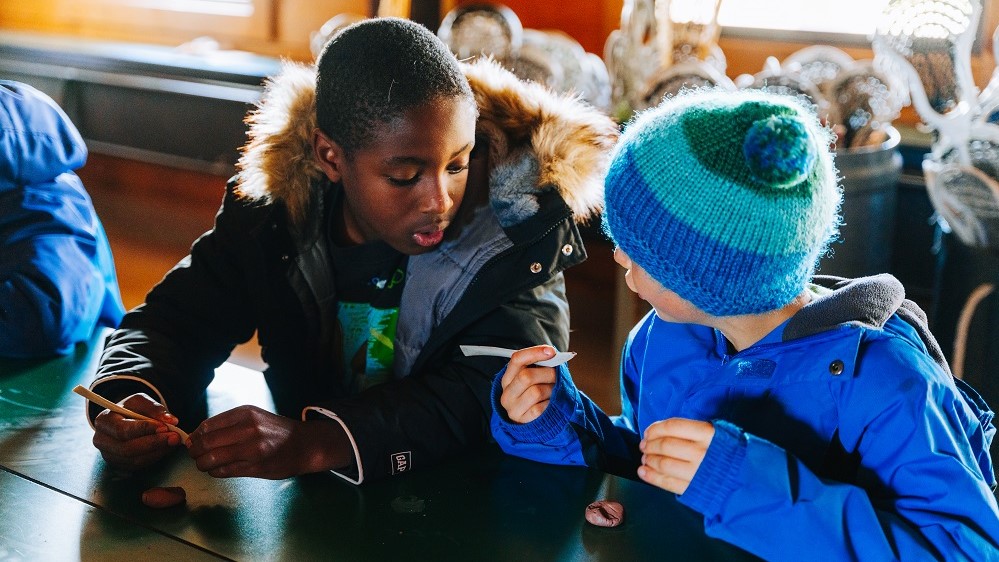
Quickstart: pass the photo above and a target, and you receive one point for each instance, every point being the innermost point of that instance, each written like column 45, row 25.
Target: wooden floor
column 152, row 215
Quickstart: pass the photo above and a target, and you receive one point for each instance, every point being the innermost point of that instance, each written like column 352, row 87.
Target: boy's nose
column 622, row 258
column 438, row 200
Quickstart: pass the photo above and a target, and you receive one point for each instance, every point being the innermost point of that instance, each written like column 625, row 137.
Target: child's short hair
column 374, row 70
column 727, row 199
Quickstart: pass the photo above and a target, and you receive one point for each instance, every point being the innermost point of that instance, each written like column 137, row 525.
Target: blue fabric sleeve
column 747, row 487
column 57, row 278
column 571, row 431
column 549, row 438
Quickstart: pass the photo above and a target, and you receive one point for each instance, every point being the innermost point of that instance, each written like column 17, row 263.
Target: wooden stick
column 101, row 401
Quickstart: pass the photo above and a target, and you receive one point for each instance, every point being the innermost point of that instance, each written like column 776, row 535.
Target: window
column 171, row 21
column 219, row 7
column 850, row 19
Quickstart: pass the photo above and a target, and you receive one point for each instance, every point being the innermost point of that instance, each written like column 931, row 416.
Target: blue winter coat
column 57, row 278
column 842, row 434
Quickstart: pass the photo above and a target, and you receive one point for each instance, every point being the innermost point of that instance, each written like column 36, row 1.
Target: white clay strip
column 560, row 356
column 101, row 401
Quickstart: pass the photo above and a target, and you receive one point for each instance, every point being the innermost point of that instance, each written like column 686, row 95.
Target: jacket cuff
column 717, row 477
column 353, row 473
column 551, row 422
column 117, row 387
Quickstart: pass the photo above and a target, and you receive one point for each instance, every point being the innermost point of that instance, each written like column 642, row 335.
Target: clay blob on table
column 605, row 513
column 163, row 497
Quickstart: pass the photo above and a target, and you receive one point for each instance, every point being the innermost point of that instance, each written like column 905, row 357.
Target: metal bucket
column 869, row 177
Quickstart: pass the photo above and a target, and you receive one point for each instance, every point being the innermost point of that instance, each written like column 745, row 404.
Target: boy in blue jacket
column 796, row 414
column 57, row 278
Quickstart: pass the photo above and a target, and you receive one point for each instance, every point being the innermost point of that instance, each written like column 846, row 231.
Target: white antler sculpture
column 929, row 42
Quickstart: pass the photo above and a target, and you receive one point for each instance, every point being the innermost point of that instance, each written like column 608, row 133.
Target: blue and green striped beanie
column 725, row 198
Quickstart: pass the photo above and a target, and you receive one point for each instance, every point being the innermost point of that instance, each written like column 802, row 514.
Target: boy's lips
column 430, row 238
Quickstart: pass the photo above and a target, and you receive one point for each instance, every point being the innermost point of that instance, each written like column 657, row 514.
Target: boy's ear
column 329, row 155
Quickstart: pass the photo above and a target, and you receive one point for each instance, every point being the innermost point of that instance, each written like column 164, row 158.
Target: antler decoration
column 929, row 43
column 655, row 36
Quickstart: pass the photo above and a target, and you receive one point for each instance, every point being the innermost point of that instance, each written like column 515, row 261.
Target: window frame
column 841, row 39
column 253, row 23
column 239, row 8
column 790, row 36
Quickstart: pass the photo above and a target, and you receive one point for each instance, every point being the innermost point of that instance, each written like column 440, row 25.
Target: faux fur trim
column 277, row 162
column 571, row 139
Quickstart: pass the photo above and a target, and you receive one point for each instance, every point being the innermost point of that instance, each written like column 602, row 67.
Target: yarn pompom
column 779, row 151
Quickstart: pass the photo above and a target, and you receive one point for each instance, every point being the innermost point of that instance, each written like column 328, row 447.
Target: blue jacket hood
column 57, row 275
column 39, row 139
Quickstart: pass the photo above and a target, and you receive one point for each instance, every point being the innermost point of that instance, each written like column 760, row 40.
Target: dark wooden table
column 61, row 502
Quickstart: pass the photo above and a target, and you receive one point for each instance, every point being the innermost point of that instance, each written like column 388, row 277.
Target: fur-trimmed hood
column 570, row 140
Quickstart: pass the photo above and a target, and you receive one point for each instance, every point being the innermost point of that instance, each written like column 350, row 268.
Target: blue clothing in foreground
column 57, row 277
column 841, row 434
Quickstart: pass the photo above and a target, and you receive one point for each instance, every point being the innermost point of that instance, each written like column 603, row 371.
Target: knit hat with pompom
column 727, row 199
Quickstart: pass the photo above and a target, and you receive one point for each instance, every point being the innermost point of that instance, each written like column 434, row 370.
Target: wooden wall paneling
column 587, row 22
column 136, row 21
column 26, row 14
